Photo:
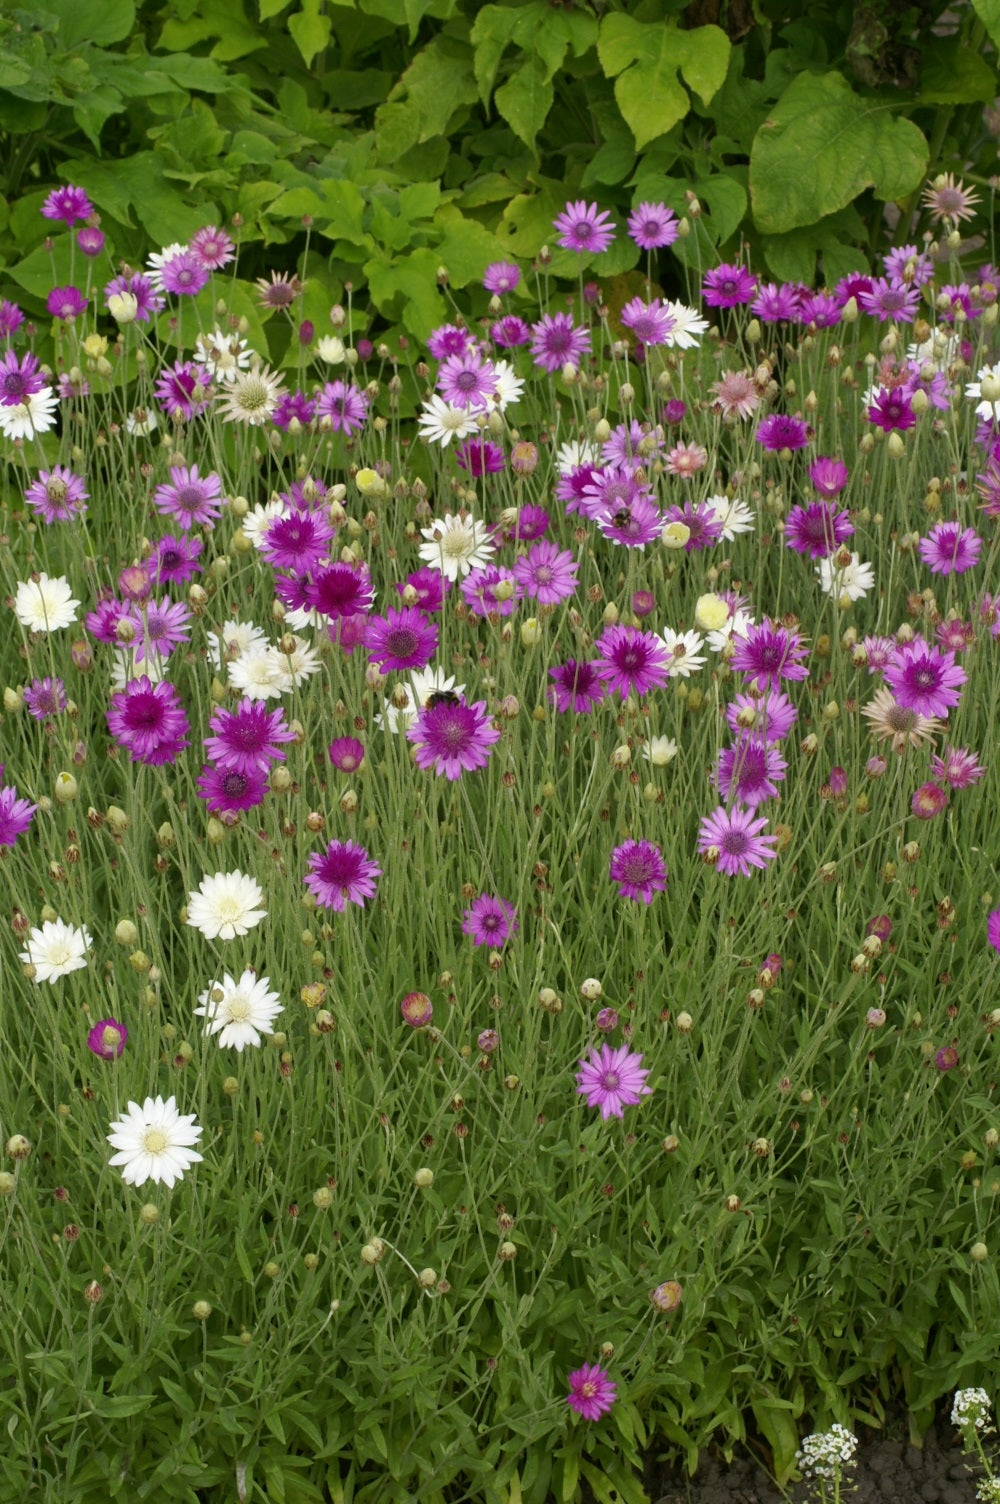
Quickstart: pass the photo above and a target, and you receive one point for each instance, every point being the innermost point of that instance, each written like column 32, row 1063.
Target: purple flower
column 891, row 410
column 489, row 921
column 449, row 339
column 906, row 264
column 148, row 299
column 851, row 286
column 344, row 405
column 732, row 841
column 479, row 456
column 66, row 303
column 501, row 277
column 57, row 495
column 176, row 387
column 547, row 573
column 174, row 561
column 184, row 275
column 819, row 309
column 297, row 541
column 107, row 1039
column 777, row 305
column 480, row 590
column 248, row 738
column 771, row 715
column 229, row 791
column 584, row 229
column 612, row 1080
column 768, row 654
column 346, row 753
column 577, row 686
column 44, row 698
column 340, row 590
column 68, row 205
column 817, row 529
column 632, row 661
column 591, row 1391
column 429, row 586
column 402, row 639
column 890, row 299
column 453, row 738
column 958, row 767
column 728, row 286
column 344, row 873
column 651, row 323
column 148, row 720
column 90, row 240
column 950, row 549
column 993, row 928
column 946, row 1059
column 639, row 870
column 779, row 431
column 556, row 341
column 509, row 332
column 750, row 771
column 212, row 248
column 189, row 498
column 829, row 477
column 19, row 379
column 703, row 523
column 928, row 801
column 293, row 405
column 925, row 678
column 11, row 318
column 15, row 815
column 653, row 226
column 467, row 381
column 633, row 524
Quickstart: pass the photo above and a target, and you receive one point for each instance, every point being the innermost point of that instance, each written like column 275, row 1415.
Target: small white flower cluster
column 988, row 1490
column 971, row 1407
column 826, row 1453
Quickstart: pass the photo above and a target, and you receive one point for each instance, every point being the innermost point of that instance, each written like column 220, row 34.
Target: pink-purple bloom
column 612, row 1079
column 501, row 276
column 184, row 274
column 817, row 529
column 249, row 738
column 653, row 226
column 344, row 873
column 15, row 815
column 958, row 767
column 583, row 228
column 45, row 698
column 728, row 286
column 639, row 870
column 950, row 549
column 107, row 1039
column 576, row 686
column 780, row 431
column 57, row 495
column 344, row 405
column 480, row 586
column 556, row 341
column 767, row 654
column 632, row 661
column 546, row 572
column 734, row 841
column 452, row 739
column 489, row 921
column 148, row 720
column 189, row 498
column 750, row 771
column 230, row 791
column 66, row 303
column 925, row 679
column 346, row 753
column 402, row 639
column 828, row 476
column 68, row 205
column 592, row 1391
column 891, row 410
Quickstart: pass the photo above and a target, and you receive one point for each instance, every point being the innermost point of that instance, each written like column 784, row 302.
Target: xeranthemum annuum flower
column 238, row 1012
column 154, row 1142
column 226, row 905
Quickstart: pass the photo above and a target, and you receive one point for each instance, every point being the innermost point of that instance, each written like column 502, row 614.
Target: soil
column 888, row 1472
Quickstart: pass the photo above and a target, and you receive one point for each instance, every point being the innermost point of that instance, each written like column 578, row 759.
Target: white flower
column 143, row 420
column 939, row 351
column 735, row 516
column 423, row 684
column 988, row 389
column 251, row 397
column 226, row 905
column 154, row 1142
column 685, row 652
column 331, row 349
column 737, row 626
column 507, row 387
column 56, row 949
column 254, row 525
column 223, row 355
column 258, row 674
column 971, row 1407
column 455, row 545
column 158, row 260
column 825, row 1454
column 45, row 605
column 239, row 1012
column 575, row 453
column 440, row 423
column 235, row 639
column 852, row 583
column 34, row 414
column 687, row 324
column 292, row 668
column 659, row 750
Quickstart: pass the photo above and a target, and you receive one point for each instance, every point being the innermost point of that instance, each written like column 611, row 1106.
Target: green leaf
column 988, row 12
column 117, row 1406
column 437, row 83
column 775, row 1421
column 243, row 1259
column 727, row 204
column 466, row 248
column 611, row 163
column 408, row 288
column 525, row 99
column 821, row 146
column 269, row 8
column 310, row 30
column 645, row 59
column 952, row 74
column 98, row 21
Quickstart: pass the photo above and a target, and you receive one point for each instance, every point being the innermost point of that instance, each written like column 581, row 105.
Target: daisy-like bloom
column 958, row 767
column 928, row 801
column 340, row 590
column 592, row 1391
column 574, row 455
column 297, row 540
column 770, row 715
column 252, row 397
column 183, row 275
column 235, row 639
column 987, row 390
column 66, row 303
column 346, row 753
column 955, row 634
column 455, row 544
column 45, row 698
column 632, row 525
column 147, row 298
column 950, row 549
column 68, row 205
column 11, row 318
column 189, row 498
column 736, row 396
column 19, row 379
column 148, row 720
column 174, row 561
column 489, row 921
column 732, row 515
column 828, row 477
column 230, row 791
column 45, row 605
column 467, row 381
column 891, row 410
column 222, row 355
column 56, row 949
column 439, row 422
column 612, row 1079
column 584, row 229
column 449, row 339
column 649, row 322
column 428, row 686
column 344, row 405
column 57, row 495
column 212, row 247
column 154, row 1142
column 15, row 815
column 844, row 577
column 577, row 687
column 258, row 674
column 556, row 341
column 480, row 456
column 453, row 738
column 239, row 1012
column 817, row 529
column 296, row 664
column 401, row 640
column 767, row 654
column 177, row 387
column 343, row 873
column 659, row 750
column 949, row 201
column 159, row 259
column 653, row 226
column 778, row 304
column 107, row 1039
column 732, row 841
column 249, row 738
column 160, row 628
column 509, row 332
column 294, row 405
column 728, row 286
column 701, row 523
column 34, row 414
column 891, row 299
column 639, row 870
column 280, row 291
column 750, row 771
column 508, row 388
column 909, row 265
column 226, row 906
column 820, row 310
column 547, row 573
column 925, row 678
column 632, row 661
column 889, row 720
column 500, row 277
column 684, row 652
column 779, row 431
column 687, row 328
column 141, row 421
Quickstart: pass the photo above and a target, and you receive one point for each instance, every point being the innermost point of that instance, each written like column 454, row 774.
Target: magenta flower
column 481, row 590
column 651, row 323
column 68, row 205
column 344, row 405
column 402, row 639
column 950, row 549
column 429, row 587
column 768, row 654
column 340, row 590
column 212, row 248
column 19, row 379
column 297, row 542
column 732, row 841
column 925, row 678
column 479, row 456
column 175, row 390
column 817, row 529
column 346, row 753
column 489, row 921
column 11, row 318
column 230, row 791
column 639, row 870
column 547, row 573
column 728, row 286
column 447, row 340
column 891, row 410
column 557, row 341
column 779, row 431
column 591, row 1391
column 576, row 686
column 750, row 771
column 467, row 381
column 174, row 561
column 889, row 298
column 771, row 715
column 500, row 277
column 993, row 928
column 632, row 661
column 15, row 815
column 453, row 738
column 107, row 1039
column 958, row 767
column 776, row 304
column 45, row 698
column 57, row 495
column 248, row 739
column 161, row 626
column 653, row 226
column 829, row 477
column 509, row 332
column 148, row 720
column 66, row 303
column 584, row 229
column 90, row 240
column 189, row 498
column 612, row 1080
column 148, row 299
column 344, row 873
column 928, row 801
column 183, row 275
column 703, row 523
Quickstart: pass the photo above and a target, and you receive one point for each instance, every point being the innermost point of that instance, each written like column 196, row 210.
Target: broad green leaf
column 94, row 108
column 727, row 204
column 952, row 74
column 98, row 21
column 645, row 59
column 527, row 221
column 988, row 12
column 525, row 99
column 821, row 146
column 466, row 248
column 611, row 163
column 269, row 8
column 200, row 74
column 438, row 82
column 310, row 30
column 234, row 35
column 492, row 30
column 136, row 186
column 409, row 285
